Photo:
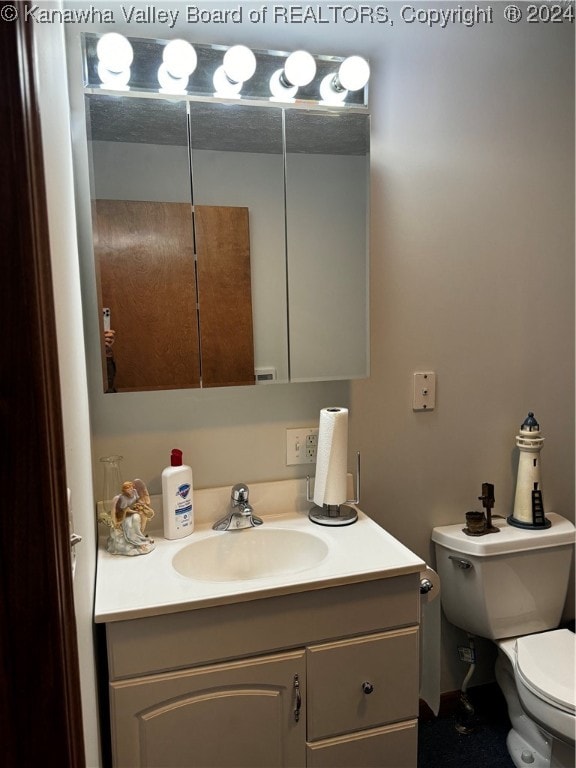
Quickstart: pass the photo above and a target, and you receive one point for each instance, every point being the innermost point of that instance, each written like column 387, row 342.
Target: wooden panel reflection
column 225, row 295
column 145, row 258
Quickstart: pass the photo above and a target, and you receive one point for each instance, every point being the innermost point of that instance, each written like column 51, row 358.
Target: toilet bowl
column 510, row 588
column 536, row 675
column 545, row 680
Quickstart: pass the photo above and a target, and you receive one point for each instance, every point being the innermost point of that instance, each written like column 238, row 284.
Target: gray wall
column 472, row 276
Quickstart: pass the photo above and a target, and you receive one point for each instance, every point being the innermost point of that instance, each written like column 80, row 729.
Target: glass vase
column 111, row 487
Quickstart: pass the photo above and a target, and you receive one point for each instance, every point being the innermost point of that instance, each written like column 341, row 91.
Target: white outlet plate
column 301, row 445
column 424, row 396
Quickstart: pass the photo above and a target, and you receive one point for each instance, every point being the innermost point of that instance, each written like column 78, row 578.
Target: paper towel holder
column 335, row 514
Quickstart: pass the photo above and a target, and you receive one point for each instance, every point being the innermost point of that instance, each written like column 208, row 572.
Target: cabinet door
column 227, row 716
column 362, row 682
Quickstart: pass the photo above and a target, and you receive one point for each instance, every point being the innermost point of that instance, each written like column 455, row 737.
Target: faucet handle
column 239, row 492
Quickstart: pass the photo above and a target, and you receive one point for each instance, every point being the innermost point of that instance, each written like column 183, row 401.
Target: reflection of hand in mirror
column 109, row 338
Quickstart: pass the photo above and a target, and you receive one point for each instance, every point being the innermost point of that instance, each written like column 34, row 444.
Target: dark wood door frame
column 40, row 707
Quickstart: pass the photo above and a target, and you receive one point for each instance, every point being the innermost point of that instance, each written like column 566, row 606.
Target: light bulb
column 114, row 52
column 223, row 86
column 279, row 90
column 299, row 68
column 116, row 80
column 329, row 93
column 354, row 73
column 169, row 83
column 179, row 58
column 239, row 63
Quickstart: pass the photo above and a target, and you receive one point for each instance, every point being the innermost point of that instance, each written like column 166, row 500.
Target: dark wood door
column 40, row 708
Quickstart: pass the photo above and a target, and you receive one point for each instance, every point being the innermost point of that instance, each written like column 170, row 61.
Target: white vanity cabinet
column 326, row 677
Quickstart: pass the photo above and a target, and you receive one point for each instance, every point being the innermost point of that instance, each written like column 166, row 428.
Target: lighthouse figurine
column 528, row 503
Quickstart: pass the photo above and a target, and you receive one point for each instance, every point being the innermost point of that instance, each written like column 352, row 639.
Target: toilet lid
column 545, row 663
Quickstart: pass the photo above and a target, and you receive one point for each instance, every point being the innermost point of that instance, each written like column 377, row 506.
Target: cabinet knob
column 367, row 687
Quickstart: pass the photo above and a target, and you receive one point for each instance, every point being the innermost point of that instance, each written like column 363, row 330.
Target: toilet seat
column 545, row 666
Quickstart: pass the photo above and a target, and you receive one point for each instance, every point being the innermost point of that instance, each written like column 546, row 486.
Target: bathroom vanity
column 313, row 668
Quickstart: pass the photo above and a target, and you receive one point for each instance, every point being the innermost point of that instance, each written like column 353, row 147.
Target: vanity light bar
column 112, row 61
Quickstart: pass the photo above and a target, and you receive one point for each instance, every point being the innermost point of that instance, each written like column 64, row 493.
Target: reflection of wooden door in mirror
column 145, row 260
column 225, row 295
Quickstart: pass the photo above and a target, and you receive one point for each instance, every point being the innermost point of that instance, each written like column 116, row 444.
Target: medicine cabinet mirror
column 230, row 241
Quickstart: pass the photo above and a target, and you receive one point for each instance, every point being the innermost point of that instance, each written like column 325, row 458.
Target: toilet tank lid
column 509, row 539
column 546, row 665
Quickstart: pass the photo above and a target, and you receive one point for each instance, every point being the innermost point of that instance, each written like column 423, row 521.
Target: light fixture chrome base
column 333, row 514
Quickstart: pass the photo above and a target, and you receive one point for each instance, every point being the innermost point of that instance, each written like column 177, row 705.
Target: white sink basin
column 286, row 555
column 253, row 553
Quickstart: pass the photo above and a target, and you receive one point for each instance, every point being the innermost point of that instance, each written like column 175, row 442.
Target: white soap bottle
column 177, row 501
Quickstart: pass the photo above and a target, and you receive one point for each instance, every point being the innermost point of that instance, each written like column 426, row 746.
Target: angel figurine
column 130, row 513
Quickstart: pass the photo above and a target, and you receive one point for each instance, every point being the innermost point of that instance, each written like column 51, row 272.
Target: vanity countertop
column 148, row 585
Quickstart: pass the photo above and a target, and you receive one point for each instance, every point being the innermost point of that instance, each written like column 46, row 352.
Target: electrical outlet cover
column 301, row 445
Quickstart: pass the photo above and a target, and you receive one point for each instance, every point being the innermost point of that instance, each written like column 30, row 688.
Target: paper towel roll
column 430, row 640
column 330, row 484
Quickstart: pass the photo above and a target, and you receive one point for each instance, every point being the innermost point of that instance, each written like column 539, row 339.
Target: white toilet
column 511, row 587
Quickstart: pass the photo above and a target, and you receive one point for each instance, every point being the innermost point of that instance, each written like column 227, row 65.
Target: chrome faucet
column 240, row 513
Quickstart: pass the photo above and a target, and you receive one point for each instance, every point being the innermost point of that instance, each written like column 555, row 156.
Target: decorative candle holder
column 475, row 524
column 480, row 523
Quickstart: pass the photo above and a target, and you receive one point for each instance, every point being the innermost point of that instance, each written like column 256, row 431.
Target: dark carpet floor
column 441, row 745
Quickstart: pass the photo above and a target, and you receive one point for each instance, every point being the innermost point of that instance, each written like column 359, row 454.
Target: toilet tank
column 505, row 584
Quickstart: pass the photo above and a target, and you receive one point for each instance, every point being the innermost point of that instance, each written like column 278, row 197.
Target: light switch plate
column 301, row 445
column 424, row 394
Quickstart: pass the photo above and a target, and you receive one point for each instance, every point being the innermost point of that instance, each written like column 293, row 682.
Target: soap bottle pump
column 177, row 501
